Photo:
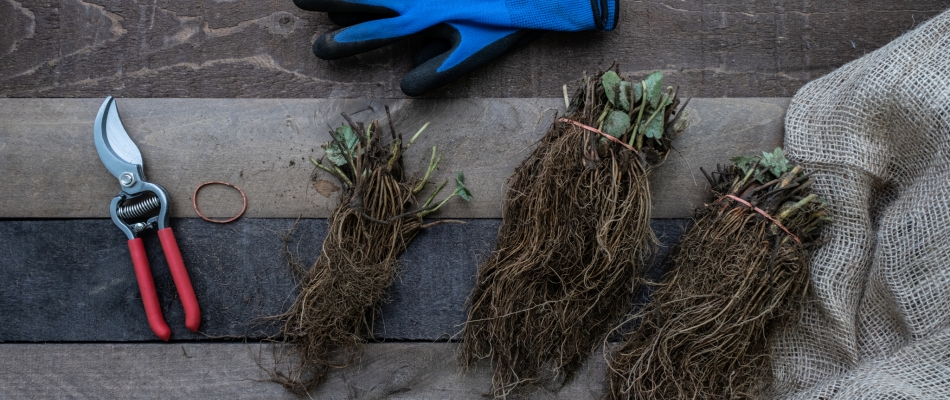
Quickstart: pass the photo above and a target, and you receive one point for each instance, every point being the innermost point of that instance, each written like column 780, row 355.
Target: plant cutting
column 575, row 237
column 377, row 218
column 738, row 276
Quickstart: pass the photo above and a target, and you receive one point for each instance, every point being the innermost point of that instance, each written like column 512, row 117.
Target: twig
column 444, row 221
column 357, row 128
column 392, row 129
column 416, row 136
column 636, row 131
column 567, row 101
column 335, row 171
column 393, row 219
column 433, row 164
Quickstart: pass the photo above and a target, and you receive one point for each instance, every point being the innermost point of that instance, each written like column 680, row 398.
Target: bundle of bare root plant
column 378, row 216
column 739, row 274
column 571, row 250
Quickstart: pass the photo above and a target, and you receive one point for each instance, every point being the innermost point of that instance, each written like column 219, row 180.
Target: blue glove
column 476, row 31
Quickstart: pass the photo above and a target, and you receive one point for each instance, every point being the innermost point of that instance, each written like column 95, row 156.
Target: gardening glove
column 476, row 31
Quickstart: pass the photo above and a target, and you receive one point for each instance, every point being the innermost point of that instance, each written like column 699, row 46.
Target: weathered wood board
column 68, row 280
column 72, row 280
column 231, row 371
column 209, row 48
column 50, row 168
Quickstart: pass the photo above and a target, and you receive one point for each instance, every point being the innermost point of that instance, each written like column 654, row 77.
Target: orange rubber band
column 766, row 215
column 194, row 202
column 597, row 131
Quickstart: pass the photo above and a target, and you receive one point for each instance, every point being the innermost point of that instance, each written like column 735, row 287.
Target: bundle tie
column 766, row 215
column 597, row 131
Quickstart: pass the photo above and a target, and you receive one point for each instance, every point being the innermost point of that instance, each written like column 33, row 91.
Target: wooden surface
column 416, row 371
column 72, row 280
column 50, row 167
column 210, row 48
column 68, row 280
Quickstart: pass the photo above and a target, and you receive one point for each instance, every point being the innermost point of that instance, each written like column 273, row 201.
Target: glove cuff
column 606, row 13
column 560, row 15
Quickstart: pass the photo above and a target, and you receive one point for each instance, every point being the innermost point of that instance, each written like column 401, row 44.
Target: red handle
column 147, row 287
column 177, row 266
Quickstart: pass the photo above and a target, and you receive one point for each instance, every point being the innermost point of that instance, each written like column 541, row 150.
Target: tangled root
column 569, row 257
column 733, row 280
column 328, row 323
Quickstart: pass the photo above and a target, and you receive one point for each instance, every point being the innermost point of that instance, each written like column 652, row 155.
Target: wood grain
column 231, row 370
column 209, row 48
column 64, row 279
column 72, row 280
column 51, row 170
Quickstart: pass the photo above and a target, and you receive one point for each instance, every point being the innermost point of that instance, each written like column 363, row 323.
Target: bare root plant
column 328, row 323
column 738, row 275
column 575, row 238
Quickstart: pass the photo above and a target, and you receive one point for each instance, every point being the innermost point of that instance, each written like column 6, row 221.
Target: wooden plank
column 50, row 168
column 184, row 48
column 72, row 281
column 230, row 370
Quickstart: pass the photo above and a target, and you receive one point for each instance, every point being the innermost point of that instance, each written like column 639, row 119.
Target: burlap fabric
column 877, row 134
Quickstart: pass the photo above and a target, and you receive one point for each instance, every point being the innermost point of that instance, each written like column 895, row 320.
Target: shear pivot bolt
column 127, row 179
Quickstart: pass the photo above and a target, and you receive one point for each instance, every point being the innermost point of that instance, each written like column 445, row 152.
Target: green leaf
column 637, row 94
column 625, row 88
column 617, row 123
column 460, row 188
column 334, row 154
column 744, row 163
column 654, row 84
column 776, row 162
column 655, row 128
column 345, row 137
column 612, row 82
column 779, row 154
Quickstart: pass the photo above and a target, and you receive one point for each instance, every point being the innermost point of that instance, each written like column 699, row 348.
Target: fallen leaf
column 325, row 188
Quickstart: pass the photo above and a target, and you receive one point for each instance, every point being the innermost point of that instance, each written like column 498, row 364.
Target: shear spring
column 138, row 209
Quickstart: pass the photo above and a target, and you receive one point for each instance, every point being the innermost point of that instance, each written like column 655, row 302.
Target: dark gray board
column 72, row 280
column 210, row 48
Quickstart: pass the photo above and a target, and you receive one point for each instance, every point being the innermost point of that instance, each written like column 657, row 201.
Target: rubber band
column 597, row 131
column 767, row 216
column 194, row 202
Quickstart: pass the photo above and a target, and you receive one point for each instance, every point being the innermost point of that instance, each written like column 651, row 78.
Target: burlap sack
column 877, row 134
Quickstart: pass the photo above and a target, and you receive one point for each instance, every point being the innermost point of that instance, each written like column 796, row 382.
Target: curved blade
column 116, row 149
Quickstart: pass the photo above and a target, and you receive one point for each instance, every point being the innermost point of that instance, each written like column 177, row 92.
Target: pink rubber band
column 597, row 131
column 766, row 215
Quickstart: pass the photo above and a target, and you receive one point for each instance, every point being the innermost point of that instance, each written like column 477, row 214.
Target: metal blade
column 116, row 149
column 118, row 139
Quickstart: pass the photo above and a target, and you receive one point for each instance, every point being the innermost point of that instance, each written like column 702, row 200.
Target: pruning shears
column 141, row 206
